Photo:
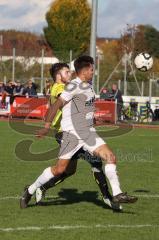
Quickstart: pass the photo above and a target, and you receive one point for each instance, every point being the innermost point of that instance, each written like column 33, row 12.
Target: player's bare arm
column 49, row 117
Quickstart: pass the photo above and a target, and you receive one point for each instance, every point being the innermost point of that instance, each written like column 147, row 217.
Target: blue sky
column 113, row 15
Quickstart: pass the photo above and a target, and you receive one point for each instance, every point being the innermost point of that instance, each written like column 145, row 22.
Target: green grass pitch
column 74, row 209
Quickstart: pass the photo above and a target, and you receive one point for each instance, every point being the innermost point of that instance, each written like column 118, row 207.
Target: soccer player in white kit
column 77, row 103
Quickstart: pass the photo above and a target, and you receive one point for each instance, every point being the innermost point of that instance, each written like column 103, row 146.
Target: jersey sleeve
column 70, row 91
column 59, row 90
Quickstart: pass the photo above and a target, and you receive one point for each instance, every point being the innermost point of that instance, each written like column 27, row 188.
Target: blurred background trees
column 69, row 26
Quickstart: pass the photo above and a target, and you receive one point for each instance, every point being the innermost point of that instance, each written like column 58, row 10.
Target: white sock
column 41, row 180
column 111, row 173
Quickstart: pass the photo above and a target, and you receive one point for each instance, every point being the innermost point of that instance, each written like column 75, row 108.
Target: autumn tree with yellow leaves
column 69, row 26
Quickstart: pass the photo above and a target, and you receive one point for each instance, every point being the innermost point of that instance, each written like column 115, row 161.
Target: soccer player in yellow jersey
column 56, row 90
column 61, row 75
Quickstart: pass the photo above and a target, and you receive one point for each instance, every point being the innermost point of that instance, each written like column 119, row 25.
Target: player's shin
column 40, row 191
column 101, row 181
column 54, row 181
column 41, row 180
column 111, row 173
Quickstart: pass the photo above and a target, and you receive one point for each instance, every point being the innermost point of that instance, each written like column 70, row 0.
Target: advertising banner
column 105, row 111
column 29, row 107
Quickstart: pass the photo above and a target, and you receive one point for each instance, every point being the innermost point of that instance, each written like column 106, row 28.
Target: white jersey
column 78, row 113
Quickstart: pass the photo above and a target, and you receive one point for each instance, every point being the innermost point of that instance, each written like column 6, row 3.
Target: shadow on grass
column 142, row 191
column 72, row 196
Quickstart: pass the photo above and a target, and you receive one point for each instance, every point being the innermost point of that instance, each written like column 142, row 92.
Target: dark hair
column 82, row 62
column 55, row 68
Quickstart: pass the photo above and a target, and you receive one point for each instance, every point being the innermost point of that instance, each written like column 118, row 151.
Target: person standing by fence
column 117, row 95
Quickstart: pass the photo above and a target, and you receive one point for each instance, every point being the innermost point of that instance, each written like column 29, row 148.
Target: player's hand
column 42, row 132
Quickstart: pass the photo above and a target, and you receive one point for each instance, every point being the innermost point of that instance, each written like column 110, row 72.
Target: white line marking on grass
column 126, row 226
column 9, row 197
column 68, row 227
column 56, row 196
column 145, row 135
column 147, row 195
column 18, row 197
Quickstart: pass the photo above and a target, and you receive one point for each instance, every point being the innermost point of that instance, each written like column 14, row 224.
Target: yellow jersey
column 56, row 91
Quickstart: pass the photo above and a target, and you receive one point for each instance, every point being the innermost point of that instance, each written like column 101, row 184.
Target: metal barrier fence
column 148, row 88
column 140, row 112
column 18, row 64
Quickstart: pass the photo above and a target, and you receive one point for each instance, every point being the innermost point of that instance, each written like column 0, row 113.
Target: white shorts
column 71, row 143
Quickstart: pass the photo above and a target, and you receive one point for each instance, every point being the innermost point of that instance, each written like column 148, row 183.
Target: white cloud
column 12, row 4
column 22, row 14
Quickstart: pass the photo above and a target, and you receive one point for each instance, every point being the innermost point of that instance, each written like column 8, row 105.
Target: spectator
column 3, row 95
column 156, row 114
column 9, row 88
column 18, row 89
column 30, row 90
column 2, row 88
column 117, row 95
column 104, row 94
column 47, row 89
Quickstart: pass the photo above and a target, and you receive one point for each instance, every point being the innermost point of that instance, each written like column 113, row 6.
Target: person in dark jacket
column 104, row 94
column 30, row 90
column 9, row 88
column 18, row 89
column 117, row 95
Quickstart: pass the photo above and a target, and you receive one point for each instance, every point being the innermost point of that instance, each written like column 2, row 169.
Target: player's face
column 65, row 74
column 88, row 72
